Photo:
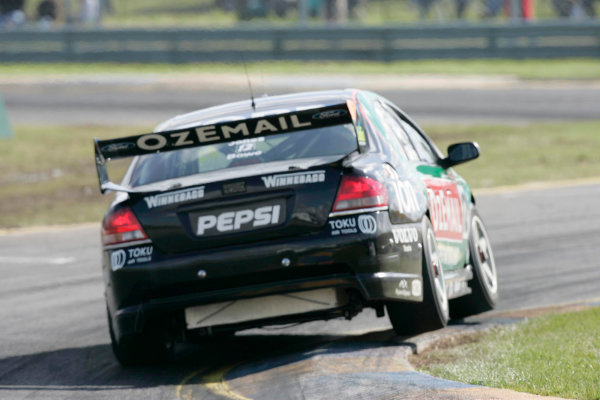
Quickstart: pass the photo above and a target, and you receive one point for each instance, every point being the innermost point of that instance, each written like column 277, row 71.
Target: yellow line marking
column 186, row 396
column 214, row 382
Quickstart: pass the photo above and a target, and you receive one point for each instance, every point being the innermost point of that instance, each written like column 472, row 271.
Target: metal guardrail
column 552, row 40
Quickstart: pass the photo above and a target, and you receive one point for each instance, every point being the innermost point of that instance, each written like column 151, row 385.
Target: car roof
column 264, row 106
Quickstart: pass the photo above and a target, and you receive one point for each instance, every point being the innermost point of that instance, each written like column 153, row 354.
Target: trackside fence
column 552, row 40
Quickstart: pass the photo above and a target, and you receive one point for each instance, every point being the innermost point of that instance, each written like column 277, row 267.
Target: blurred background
column 186, row 31
column 227, row 13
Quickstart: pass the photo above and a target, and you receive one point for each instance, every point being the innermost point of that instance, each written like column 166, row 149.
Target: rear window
column 328, row 141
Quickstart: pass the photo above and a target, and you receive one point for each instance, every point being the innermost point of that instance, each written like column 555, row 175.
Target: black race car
column 301, row 207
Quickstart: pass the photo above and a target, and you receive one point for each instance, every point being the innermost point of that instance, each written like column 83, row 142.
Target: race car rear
column 267, row 220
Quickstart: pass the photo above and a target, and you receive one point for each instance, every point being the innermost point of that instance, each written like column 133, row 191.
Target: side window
column 426, row 153
column 400, row 133
column 394, row 132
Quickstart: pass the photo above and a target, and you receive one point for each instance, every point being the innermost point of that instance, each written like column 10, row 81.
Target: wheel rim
column 438, row 274
column 483, row 257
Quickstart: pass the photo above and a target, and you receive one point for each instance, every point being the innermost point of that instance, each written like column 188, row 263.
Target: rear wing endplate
column 203, row 135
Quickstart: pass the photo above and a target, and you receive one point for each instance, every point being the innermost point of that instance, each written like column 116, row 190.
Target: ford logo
column 116, row 147
column 330, row 114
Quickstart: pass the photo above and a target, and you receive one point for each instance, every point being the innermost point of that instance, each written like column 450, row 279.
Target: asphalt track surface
column 148, row 101
column 55, row 343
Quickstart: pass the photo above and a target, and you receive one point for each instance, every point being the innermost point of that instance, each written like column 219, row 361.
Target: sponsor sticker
column 230, row 129
column 138, row 255
column 456, row 287
column 416, row 288
column 403, row 198
column 179, row 196
column 118, row 259
column 296, row 178
column 330, row 114
column 343, row 226
column 445, row 208
column 235, row 187
column 245, row 148
column 131, row 256
column 246, row 144
column 366, row 224
column 239, row 220
column 406, row 197
column 360, row 134
column 116, row 147
column 449, row 254
column 402, row 289
column 405, row 235
column 222, row 132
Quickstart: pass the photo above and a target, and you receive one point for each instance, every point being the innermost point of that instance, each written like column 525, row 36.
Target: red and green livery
column 305, row 207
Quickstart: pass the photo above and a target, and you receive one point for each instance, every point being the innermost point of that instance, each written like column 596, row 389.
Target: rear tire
column 484, row 285
column 153, row 346
column 414, row 318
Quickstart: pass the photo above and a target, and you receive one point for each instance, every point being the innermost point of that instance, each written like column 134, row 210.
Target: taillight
column 121, row 226
column 357, row 192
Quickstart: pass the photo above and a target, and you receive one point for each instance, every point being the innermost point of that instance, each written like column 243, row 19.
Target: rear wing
column 203, row 135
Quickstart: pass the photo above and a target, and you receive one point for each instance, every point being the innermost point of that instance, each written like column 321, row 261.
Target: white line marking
column 37, row 260
column 535, row 186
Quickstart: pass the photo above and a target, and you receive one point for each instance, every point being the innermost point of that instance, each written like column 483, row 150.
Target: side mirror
column 459, row 153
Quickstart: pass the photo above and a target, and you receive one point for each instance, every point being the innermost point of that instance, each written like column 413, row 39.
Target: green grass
column 571, row 69
column 518, row 154
column 158, row 13
column 48, row 173
column 49, row 177
column 554, row 355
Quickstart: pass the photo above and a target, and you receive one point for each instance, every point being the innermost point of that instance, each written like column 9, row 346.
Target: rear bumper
column 373, row 266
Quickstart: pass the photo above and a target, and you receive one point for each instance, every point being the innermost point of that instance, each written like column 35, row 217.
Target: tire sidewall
column 490, row 297
column 429, row 277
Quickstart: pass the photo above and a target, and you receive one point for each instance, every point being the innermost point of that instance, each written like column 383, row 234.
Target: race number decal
column 445, row 209
column 407, row 197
